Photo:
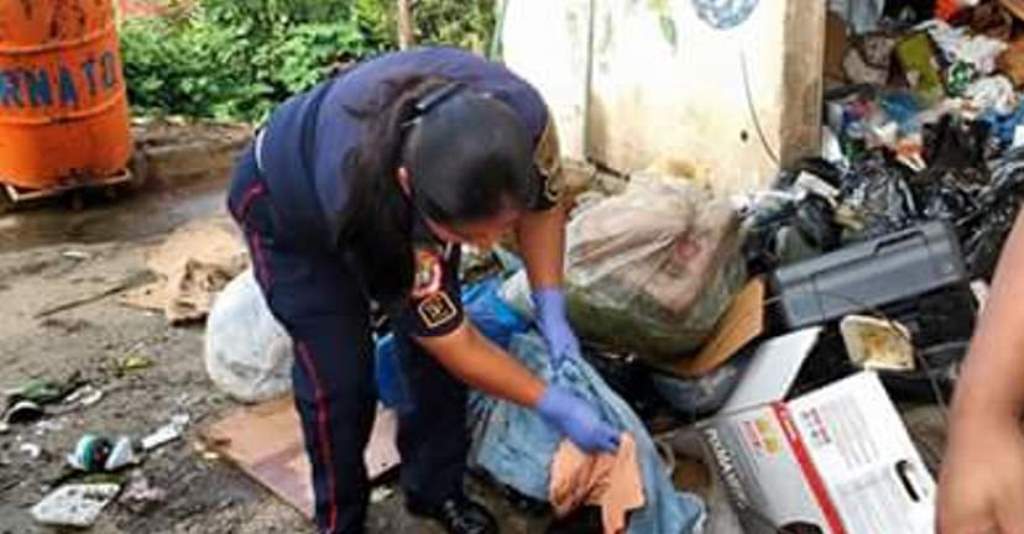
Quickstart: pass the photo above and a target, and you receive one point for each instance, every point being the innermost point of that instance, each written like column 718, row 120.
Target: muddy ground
column 51, row 254
column 68, row 249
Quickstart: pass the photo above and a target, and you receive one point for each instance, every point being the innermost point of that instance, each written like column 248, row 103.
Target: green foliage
column 236, row 59
column 466, row 23
column 185, row 67
column 376, row 19
column 265, row 17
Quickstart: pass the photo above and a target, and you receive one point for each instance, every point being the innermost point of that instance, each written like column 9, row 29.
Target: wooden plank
column 742, row 323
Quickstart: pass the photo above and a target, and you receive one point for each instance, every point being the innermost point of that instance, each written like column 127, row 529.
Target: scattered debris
column 90, row 453
column 131, row 281
column 76, row 255
column 31, row 450
column 880, row 344
column 77, row 505
column 134, row 362
column 94, row 454
column 122, row 454
column 166, row 433
column 23, row 412
column 139, row 495
column 191, row 266
column 85, row 396
column 48, row 425
column 42, row 391
column 205, row 452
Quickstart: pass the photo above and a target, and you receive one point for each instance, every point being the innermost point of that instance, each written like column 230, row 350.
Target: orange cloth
column 611, row 481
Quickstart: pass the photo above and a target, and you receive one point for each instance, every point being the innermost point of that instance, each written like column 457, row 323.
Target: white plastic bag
column 651, row 270
column 248, row 353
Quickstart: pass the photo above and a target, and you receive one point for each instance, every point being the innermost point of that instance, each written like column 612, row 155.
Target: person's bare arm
column 541, row 239
column 981, row 487
column 992, row 382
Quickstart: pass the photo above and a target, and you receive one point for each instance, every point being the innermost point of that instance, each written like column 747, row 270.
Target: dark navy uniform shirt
column 308, row 138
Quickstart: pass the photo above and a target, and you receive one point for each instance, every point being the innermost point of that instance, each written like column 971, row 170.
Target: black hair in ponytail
column 468, row 156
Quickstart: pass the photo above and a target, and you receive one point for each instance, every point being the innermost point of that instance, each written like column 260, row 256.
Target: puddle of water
column 128, row 217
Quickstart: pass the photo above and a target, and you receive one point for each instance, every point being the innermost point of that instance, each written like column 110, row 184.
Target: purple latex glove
column 552, row 318
column 576, row 420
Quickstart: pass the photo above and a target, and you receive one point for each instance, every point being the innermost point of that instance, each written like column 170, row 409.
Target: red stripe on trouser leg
column 259, row 258
column 257, row 188
column 255, row 241
column 323, row 437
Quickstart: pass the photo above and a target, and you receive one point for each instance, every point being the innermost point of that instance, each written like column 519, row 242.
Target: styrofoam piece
column 76, row 505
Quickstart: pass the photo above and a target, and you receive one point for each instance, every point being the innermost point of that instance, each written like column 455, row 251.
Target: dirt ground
column 64, row 250
column 52, row 254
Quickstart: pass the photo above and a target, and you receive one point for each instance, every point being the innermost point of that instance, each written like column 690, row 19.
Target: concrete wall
column 727, row 94
column 547, row 42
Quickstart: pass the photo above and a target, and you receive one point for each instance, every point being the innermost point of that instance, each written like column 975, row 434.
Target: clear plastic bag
column 652, row 270
column 248, row 353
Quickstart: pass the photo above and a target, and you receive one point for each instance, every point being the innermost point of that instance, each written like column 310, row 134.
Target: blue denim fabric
column 516, row 447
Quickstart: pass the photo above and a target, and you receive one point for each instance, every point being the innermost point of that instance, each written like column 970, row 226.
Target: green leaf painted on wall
column 658, row 6
column 668, row 30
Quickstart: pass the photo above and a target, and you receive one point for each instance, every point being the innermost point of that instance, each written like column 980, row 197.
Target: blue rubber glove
column 552, row 318
column 576, row 420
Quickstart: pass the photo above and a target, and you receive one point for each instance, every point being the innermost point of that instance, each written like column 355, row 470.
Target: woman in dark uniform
column 355, row 197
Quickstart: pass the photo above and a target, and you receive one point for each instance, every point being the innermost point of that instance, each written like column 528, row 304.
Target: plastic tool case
column 868, row 276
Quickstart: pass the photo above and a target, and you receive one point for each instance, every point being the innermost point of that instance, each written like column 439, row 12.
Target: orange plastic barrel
column 63, row 110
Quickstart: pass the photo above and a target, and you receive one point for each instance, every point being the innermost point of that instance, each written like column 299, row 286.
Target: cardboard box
column 742, row 323
column 835, row 460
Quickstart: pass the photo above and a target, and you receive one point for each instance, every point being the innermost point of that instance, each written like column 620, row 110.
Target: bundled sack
column 651, row 271
column 248, row 353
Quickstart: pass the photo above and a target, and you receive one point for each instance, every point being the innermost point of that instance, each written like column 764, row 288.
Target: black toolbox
column 867, row 276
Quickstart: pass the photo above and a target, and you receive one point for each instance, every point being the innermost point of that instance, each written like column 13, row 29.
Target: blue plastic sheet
column 495, row 319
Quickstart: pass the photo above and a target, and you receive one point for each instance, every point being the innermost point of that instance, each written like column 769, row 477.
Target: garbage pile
column 924, row 124
column 925, row 121
column 877, row 255
column 99, row 469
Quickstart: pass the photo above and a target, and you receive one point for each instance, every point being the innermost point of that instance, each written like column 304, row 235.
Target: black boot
column 458, row 516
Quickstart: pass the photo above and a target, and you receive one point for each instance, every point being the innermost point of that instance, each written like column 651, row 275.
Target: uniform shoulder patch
column 437, row 310
column 429, row 273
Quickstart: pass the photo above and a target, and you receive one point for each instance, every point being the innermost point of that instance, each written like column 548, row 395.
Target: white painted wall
column 547, row 43
column 665, row 83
